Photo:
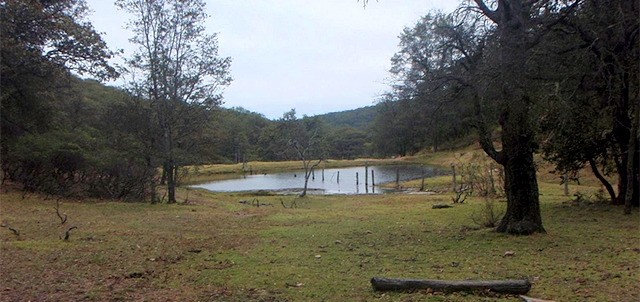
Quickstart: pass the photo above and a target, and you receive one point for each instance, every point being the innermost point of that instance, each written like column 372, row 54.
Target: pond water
column 336, row 181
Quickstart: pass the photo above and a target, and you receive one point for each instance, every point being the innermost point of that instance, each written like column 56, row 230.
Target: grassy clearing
column 213, row 248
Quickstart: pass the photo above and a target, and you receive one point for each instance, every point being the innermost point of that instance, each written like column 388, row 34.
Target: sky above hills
column 316, row 56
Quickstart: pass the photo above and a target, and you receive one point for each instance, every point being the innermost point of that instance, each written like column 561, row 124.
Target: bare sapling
column 63, row 217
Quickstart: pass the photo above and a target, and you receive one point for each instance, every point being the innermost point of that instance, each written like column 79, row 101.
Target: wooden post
column 338, row 176
column 366, row 175
column 322, row 174
column 313, row 174
column 565, row 181
column 422, row 183
column 454, row 185
column 397, row 178
column 357, row 181
column 373, row 179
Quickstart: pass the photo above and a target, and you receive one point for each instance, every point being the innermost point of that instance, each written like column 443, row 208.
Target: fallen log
column 515, row 287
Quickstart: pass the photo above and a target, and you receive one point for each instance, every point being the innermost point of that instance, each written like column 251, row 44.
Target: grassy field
column 211, row 247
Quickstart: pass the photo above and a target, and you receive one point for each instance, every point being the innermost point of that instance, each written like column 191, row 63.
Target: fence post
column 454, row 185
column 422, row 183
column 373, row 179
column 366, row 175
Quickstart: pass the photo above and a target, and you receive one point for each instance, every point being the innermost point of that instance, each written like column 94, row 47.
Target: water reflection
column 354, row 180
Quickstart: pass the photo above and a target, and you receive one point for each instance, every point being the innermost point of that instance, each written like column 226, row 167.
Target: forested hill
column 361, row 118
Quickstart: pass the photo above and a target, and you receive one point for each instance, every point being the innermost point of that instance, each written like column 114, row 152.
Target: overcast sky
column 316, row 56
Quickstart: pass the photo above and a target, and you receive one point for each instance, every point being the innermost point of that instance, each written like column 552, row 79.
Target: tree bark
column 523, row 207
column 512, row 18
column 516, row 287
column 171, row 182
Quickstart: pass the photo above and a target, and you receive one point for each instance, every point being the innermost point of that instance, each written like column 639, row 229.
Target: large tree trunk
column 518, row 134
column 523, row 207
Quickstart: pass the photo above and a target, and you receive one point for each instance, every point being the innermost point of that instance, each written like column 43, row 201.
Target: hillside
column 361, row 118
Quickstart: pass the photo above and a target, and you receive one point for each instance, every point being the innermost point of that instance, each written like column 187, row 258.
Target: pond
column 335, row 181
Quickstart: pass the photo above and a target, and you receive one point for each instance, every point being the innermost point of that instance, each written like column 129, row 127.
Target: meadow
column 222, row 247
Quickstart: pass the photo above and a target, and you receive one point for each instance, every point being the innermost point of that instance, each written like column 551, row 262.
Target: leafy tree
column 42, row 43
column 594, row 96
column 425, row 105
column 481, row 57
column 346, row 143
column 237, row 134
column 181, row 74
column 393, row 127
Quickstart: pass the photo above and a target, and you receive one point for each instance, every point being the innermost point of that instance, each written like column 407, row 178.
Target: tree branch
column 485, row 134
column 604, row 181
column 491, row 14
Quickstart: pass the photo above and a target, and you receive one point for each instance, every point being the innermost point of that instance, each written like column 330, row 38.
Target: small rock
column 509, row 254
column 318, row 256
column 338, row 242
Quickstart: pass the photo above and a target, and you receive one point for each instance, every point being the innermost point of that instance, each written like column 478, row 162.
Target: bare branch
column 63, row 220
